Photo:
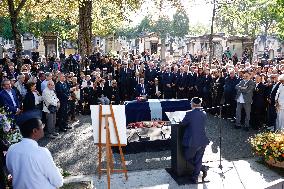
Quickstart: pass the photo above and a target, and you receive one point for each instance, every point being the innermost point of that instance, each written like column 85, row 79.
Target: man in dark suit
column 150, row 73
column 272, row 115
column 115, row 93
column 8, row 99
column 104, row 93
column 155, row 90
column 229, row 94
column 258, row 104
column 168, row 83
column 141, row 88
column 195, row 139
column 124, row 82
column 63, row 94
column 182, row 84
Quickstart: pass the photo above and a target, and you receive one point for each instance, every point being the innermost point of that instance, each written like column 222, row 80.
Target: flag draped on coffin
column 153, row 109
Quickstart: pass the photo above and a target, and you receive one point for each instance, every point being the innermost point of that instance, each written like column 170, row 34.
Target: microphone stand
column 220, row 166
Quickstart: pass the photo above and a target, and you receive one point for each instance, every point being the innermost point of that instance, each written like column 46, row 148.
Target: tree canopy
column 249, row 17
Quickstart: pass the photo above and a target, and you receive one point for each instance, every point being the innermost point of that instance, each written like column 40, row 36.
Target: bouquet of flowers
column 147, row 124
column 269, row 145
column 7, row 132
column 141, row 99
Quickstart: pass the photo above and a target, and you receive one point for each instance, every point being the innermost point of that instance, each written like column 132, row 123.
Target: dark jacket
column 194, row 135
column 229, row 86
column 29, row 101
column 259, row 96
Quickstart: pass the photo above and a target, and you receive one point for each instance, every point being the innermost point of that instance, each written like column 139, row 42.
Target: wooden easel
column 109, row 155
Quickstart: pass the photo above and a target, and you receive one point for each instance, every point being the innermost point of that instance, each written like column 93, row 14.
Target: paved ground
column 75, row 152
column 240, row 174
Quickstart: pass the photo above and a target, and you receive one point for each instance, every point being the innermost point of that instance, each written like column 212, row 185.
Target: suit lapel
column 9, row 97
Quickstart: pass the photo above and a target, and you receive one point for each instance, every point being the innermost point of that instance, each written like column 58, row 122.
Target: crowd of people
column 64, row 87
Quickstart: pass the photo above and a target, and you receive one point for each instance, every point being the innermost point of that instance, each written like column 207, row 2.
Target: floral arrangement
column 147, row 124
column 141, row 99
column 7, row 132
column 269, row 145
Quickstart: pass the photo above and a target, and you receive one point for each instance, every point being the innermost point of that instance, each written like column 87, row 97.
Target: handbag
column 52, row 109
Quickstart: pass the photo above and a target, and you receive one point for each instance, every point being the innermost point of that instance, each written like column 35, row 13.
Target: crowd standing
column 66, row 86
column 62, row 88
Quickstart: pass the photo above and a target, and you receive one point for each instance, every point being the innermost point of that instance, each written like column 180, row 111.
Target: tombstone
column 51, row 44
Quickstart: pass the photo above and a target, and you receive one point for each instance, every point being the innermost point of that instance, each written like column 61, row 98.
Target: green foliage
column 180, row 24
column 5, row 29
column 39, row 28
column 145, row 25
column 248, row 17
column 199, row 29
column 162, row 26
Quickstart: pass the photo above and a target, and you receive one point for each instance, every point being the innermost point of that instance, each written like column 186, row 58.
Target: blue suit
column 7, row 102
column 195, row 139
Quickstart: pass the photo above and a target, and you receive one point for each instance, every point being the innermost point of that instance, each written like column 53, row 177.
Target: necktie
column 109, row 82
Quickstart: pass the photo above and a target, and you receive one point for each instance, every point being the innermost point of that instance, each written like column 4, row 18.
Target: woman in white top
column 50, row 98
column 279, row 99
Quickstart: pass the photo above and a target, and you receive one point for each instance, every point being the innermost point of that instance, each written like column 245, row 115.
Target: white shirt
column 241, row 97
column 280, row 96
column 38, row 99
column 43, row 85
column 157, row 89
column 49, row 97
column 32, row 166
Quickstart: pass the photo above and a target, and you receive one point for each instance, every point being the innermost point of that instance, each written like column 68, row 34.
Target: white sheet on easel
column 120, row 118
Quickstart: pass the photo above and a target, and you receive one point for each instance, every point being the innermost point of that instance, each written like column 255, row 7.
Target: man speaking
column 195, row 139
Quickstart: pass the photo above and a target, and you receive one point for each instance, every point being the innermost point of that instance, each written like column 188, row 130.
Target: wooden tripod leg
column 119, row 144
column 100, row 142
column 108, row 148
column 111, row 157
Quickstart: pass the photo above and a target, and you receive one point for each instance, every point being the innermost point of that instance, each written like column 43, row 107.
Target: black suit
column 115, row 95
column 152, row 91
column 63, row 94
column 168, row 79
column 182, row 85
column 105, row 91
column 258, row 107
column 29, row 102
column 124, row 83
column 150, row 75
column 272, row 115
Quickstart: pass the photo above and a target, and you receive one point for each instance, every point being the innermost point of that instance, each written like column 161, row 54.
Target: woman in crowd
column 32, row 99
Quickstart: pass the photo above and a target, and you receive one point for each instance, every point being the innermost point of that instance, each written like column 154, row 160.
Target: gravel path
column 76, row 153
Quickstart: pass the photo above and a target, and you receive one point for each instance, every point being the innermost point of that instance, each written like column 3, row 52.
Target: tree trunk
column 211, row 35
column 18, row 42
column 14, row 14
column 163, row 49
column 85, row 28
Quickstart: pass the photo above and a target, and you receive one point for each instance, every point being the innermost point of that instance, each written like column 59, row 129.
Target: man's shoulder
column 2, row 92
